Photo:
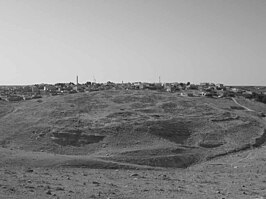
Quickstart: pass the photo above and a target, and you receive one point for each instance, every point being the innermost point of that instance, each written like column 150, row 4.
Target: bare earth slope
column 131, row 144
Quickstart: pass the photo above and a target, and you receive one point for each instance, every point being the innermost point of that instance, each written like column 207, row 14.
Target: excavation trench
column 75, row 138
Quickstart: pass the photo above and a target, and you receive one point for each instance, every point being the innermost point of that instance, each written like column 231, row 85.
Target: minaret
column 77, row 84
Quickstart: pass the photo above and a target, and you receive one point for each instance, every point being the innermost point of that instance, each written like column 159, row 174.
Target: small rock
column 12, row 189
column 97, row 183
column 30, row 187
column 59, row 189
column 29, row 170
column 49, row 192
column 134, row 175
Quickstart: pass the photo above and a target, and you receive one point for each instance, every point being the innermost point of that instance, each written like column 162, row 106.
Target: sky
column 51, row 41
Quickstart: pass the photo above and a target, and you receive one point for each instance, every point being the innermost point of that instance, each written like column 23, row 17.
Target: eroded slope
column 136, row 127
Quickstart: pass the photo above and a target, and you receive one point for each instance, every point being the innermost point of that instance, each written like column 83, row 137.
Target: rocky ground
column 143, row 144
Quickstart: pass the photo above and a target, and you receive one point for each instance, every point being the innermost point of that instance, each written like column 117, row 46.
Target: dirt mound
column 237, row 107
column 212, row 140
column 169, row 107
column 226, row 116
column 5, row 108
column 166, row 161
column 129, row 127
column 177, row 131
column 260, row 140
column 121, row 115
column 174, row 157
column 153, row 152
column 75, row 138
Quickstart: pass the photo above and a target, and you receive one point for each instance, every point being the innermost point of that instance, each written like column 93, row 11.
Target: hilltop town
column 20, row 93
column 132, row 140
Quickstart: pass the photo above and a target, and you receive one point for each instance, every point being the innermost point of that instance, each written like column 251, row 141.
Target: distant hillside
column 137, row 127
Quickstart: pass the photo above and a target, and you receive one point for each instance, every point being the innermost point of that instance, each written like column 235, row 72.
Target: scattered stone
column 47, row 187
column 134, row 175
column 29, row 170
column 96, row 183
column 48, row 192
column 30, row 187
column 12, row 189
column 59, row 189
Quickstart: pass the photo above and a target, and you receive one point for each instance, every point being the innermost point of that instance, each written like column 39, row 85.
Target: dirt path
column 246, row 108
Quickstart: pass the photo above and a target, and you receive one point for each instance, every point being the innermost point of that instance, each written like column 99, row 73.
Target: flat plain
column 132, row 144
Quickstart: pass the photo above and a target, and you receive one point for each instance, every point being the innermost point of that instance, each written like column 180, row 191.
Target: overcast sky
column 50, row 41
